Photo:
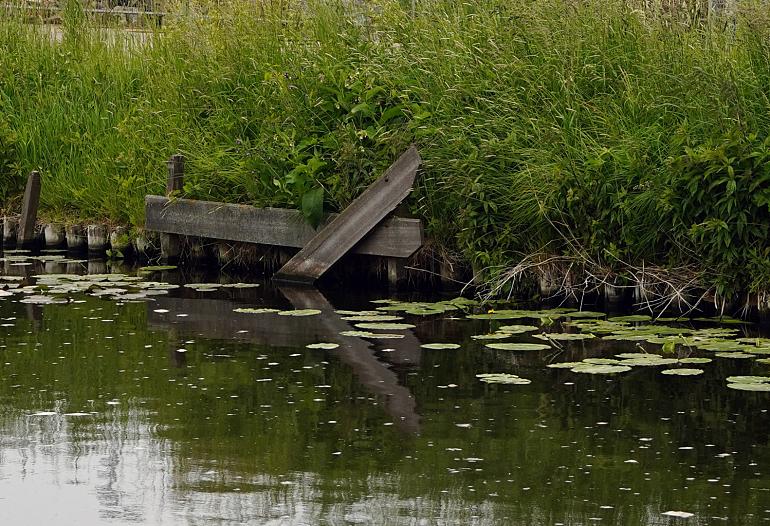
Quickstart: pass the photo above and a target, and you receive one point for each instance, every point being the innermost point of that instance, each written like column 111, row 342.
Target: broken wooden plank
column 395, row 237
column 26, row 233
column 338, row 237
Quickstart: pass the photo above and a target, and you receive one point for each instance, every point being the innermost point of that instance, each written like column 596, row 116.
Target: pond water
column 127, row 400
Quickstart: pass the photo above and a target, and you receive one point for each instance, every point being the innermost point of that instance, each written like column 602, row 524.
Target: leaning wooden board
column 339, row 236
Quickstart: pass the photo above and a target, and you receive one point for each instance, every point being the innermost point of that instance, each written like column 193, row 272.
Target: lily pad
column 682, row 372
column 493, row 336
column 367, row 334
column 299, row 312
column 601, row 361
column 750, row 387
column 503, row 378
column 440, row 346
column 241, row 285
column 633, row 318
column 158, row 268
column 373, row 318
column 385, row 326
column 255, row 311
column 748, row 379
column 563, row 365
column 327, row 346
column 518, row 346
column 735, row 355
column 695, row 360
column 586, row 314
column 590, row 368
column 565, row 336
column 649, row 361
column 517, row 329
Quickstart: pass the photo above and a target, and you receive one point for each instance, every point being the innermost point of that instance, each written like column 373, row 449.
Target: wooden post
column 175, row 181
column 171, row 244
column 26, row 233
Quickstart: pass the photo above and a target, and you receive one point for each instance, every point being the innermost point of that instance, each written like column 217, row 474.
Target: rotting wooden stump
column 338, row 237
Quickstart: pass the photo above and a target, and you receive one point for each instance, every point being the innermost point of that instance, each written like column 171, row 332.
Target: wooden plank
column 26, row 234
column 395, row 237
column 338, row 237
column 175, row 181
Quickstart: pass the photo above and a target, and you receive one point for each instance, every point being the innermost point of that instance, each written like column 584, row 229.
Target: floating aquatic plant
column 503, row 378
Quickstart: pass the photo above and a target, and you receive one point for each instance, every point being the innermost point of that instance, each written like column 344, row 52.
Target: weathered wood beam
column 26, row 233
column 339, row 236
column 395, row 237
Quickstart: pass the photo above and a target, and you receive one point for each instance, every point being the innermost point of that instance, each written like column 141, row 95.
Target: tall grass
column 593, row 127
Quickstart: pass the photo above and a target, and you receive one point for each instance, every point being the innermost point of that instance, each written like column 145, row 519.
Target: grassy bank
column 589, row 130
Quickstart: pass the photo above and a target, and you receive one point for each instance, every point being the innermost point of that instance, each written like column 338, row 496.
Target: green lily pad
column 750, row 387
column 327, row 346
column 736, row 355
column 518, row 346
column 748, row 379
column 241, row 285
column 246, row 310
column 503, row 378
column 633, row 318
column 682, row 372
column 586, row 314
column 157, row 268
column 373, row 318
column 440, row 346
column 299, row 312
column 590, row 368
column 649, row 361
column 601, row 361
column 563, row 365
column 517, row 329
column 367, row 334
column 764, row 361
column 493, row 336
column 565, row 336
column 695, row 360
column 385, row 326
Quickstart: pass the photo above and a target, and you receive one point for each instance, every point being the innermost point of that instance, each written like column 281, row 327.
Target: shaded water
column 174, row 409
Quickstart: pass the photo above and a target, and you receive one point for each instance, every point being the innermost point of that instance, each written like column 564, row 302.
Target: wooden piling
column 171, row 244
column 97, row 239
column 10, row 228
column 26, row 233
column 76, row 238
column 175, row 182
column 54, row 235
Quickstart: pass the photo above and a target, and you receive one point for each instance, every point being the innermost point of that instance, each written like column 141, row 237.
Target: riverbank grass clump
column 603, row 132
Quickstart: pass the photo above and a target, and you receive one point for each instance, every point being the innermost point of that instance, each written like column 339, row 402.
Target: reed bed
column 619, row 133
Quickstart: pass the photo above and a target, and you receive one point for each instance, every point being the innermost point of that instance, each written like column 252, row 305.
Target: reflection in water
column 177, row 410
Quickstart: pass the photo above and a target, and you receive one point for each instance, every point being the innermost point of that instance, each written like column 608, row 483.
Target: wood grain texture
column 339, row 236
column 26, row 233
column 395, row 237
